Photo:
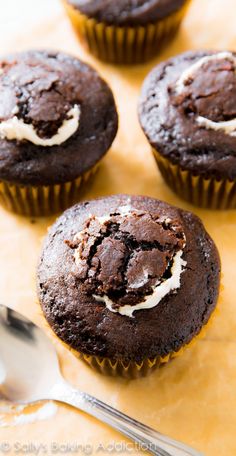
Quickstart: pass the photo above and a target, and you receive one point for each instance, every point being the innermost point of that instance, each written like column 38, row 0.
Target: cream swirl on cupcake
column 131, row 258
column 16, row 128
column 36, row 104
column 193, row 72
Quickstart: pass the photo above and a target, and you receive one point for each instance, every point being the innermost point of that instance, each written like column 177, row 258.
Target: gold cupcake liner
column 43, row 199
column 204, row 192
column 133, row 370
column 120, row 368
column 124, row 44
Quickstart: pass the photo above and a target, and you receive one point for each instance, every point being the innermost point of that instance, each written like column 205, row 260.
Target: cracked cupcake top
column 127, row 12
column 127, row 276
column 33, row 93
column 188, row 111
column 125, row 257
column 54, row 109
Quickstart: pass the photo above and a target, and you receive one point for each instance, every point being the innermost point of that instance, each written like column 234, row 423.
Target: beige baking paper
column 194, row 397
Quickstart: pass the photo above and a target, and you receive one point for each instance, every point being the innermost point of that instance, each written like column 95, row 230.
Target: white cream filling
column 140, row 281
column 15, row 128
column 123, row 211
column 229, row 126
column 189, row 72
column 103, row 219
column 160, row 290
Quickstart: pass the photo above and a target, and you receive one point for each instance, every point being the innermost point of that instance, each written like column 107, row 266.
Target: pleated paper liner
column 124, row 44
column 44, row 199
column 132, row 369
column 204, row 192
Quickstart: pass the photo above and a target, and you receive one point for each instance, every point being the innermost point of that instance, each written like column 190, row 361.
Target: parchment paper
column 194, row 397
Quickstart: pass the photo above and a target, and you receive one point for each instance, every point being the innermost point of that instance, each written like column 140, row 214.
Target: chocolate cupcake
column 127, row 281
column 57, row 120
column 188, row 113
column 125, row 31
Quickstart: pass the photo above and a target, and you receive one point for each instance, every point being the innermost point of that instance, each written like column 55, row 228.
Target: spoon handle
column 147, row 439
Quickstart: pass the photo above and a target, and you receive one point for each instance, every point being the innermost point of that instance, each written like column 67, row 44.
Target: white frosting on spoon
column 15, row 128
column 229, row 126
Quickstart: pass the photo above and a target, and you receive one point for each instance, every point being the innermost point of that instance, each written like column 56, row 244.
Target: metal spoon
column 29, row 372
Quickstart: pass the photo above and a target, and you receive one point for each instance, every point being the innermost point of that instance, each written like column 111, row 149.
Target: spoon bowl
column 28, row 361
column 29, row 372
